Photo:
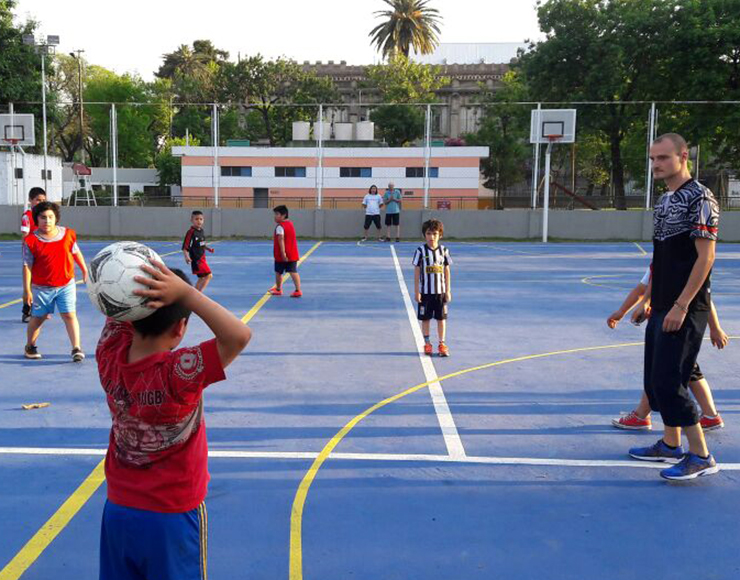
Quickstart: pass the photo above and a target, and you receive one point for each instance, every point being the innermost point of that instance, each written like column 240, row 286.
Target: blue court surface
column 337, row 451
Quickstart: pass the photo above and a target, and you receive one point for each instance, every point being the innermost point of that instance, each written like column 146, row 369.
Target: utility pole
column 79, row 91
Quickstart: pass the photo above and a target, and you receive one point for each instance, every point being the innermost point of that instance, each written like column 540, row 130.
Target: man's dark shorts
column 392, row 219
column 286, row 267
column 372, row 219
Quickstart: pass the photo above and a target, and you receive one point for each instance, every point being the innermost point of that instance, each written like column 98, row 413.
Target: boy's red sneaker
column 633, row 422
column 711, row 423
column 428, row 349
column 296, row 294
column 275, row 292
column 443, row 350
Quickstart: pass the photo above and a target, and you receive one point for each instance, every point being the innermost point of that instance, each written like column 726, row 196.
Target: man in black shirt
column 685, row 220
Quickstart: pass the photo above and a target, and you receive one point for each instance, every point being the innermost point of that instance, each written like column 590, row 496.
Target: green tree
column 169, row 167
column 404, row 81
column 408, row 23
column 399, row 125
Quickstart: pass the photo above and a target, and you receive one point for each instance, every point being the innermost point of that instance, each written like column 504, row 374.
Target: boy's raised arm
column 165, row 287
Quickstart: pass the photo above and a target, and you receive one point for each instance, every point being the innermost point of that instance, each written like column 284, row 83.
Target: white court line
column 444, row 416
column 407, row 457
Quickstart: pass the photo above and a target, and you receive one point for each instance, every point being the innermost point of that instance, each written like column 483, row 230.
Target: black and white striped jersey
column 432, row 265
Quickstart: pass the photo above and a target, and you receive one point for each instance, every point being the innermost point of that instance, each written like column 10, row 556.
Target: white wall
column 15, row 191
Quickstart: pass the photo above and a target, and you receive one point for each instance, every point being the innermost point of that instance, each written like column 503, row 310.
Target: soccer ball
column 110, row 283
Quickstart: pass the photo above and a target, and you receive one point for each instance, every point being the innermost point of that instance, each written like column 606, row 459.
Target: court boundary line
column 639, row 247
column 32, row 550
column 295, row 554
column 450, row 433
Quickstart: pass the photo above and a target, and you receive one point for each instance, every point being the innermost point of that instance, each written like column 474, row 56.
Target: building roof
column 471, row 53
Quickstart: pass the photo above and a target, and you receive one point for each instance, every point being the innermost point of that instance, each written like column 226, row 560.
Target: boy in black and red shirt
column 35, row 196
column 194, row 248
column 285, row 250
column 155, row 521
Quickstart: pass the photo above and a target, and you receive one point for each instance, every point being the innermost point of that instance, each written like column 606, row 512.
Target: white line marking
column 408, row 457
column 639, row 247
column 444, row 416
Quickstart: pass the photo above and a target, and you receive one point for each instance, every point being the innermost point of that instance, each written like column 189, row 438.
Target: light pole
column 79, row 91
column 43, row 47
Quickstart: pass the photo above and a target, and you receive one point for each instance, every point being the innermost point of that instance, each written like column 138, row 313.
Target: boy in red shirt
column 155, row 521
column 49, row 256
column 285, row 249
column 35, row 196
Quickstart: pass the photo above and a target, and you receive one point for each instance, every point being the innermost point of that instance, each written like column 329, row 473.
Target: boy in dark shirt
column 194, row 248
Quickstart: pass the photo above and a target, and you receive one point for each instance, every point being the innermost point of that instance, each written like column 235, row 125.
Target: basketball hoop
column 10, row 142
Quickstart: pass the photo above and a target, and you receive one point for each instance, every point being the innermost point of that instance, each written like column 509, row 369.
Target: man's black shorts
column 372, row 219
column 392, row 219
column 432, row 306
column 283, row 267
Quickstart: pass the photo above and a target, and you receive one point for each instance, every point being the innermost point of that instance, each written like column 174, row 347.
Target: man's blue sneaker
column 691, row 467
column 658, row 452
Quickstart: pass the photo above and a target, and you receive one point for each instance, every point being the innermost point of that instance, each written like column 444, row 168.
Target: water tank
column 365, row 131
column 326, row 130
column 343, row 131
column 301, row 130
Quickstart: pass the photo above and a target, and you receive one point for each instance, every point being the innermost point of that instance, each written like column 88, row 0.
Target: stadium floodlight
column 52, row 40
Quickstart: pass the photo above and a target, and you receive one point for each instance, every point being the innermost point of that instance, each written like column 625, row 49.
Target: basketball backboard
column 549, row 122
column 17, row 129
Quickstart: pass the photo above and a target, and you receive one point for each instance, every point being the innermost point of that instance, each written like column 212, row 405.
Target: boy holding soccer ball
column 154, row 520
column 49, row 256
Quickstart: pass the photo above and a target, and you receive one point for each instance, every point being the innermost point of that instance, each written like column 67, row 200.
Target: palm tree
column 409, row 23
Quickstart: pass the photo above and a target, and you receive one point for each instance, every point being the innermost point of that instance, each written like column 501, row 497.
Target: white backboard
column 18, row 126
column 553, row 122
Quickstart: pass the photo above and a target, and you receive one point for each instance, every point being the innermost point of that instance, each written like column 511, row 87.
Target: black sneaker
column 32, row 352
column 77, row 355
column 398, row 240
column 25, row 318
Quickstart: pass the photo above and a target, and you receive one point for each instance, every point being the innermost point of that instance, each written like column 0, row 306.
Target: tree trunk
column 268, row 125
column 615, row 140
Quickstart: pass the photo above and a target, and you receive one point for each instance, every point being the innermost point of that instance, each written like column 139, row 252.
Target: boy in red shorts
column 285, row 250
column 155, row 521
column 49, row 256
column 35, row 196
column 194, row 248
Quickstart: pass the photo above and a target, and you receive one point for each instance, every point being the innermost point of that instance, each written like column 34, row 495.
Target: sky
column 133, row 36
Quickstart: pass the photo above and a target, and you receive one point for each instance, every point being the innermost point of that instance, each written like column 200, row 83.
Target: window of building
column 236, row 172
column 48, row 174
column 419, row 172
column 290, row 172
column 355, row 172
column 19, row 173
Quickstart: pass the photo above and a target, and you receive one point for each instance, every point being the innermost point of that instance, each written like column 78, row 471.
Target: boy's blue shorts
column 140, row 544
column 46, row 299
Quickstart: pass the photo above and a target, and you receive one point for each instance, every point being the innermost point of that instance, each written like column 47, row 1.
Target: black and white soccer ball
column 111, row 284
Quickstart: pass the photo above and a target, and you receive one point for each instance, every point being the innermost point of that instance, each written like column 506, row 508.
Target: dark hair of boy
column 196, row 212
column 282, row 210
column 434, row 226
column 42, row 207
column 35, row 192
column 162, row 319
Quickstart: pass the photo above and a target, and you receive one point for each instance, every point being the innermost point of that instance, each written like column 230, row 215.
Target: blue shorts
column 140, row 544
column 47, row 298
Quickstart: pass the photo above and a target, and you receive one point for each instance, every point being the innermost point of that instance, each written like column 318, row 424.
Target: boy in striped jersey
column 433, row 284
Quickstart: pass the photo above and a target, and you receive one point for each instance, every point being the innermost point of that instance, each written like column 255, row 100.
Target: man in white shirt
column 372, row 202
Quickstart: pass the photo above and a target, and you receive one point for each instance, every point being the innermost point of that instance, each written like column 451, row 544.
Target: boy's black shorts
column 289, row 267
column 432, row 306
column 372, row 219
column 392, row 219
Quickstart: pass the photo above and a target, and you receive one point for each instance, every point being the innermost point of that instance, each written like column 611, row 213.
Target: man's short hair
column 196, row 212
column 678, row 142
column 42, row 207
column 34, row 192
column 162, row 319
column 282, row 210
column 433, row 226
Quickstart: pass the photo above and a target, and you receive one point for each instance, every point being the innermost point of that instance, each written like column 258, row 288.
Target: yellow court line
column 29, row 553
column 639, row 247
column 587, row 280
column 296, row 517
column 55, row 524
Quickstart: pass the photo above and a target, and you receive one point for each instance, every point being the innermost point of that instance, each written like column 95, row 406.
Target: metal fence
column 459, row 154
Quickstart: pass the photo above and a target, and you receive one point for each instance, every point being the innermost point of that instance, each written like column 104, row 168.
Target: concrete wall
column 514, row 224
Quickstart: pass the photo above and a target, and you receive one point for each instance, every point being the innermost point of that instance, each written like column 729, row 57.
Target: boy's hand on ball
column 163, row 288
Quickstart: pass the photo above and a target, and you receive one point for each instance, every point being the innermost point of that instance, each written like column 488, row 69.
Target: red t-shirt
column 28, row 226
column 291, row 244
column 51, row 259
column 157, row 456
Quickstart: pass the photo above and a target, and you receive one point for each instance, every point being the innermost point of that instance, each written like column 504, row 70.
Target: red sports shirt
column 28, row 226
column 51, row 260
column 157, row 456
column 291, row 244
